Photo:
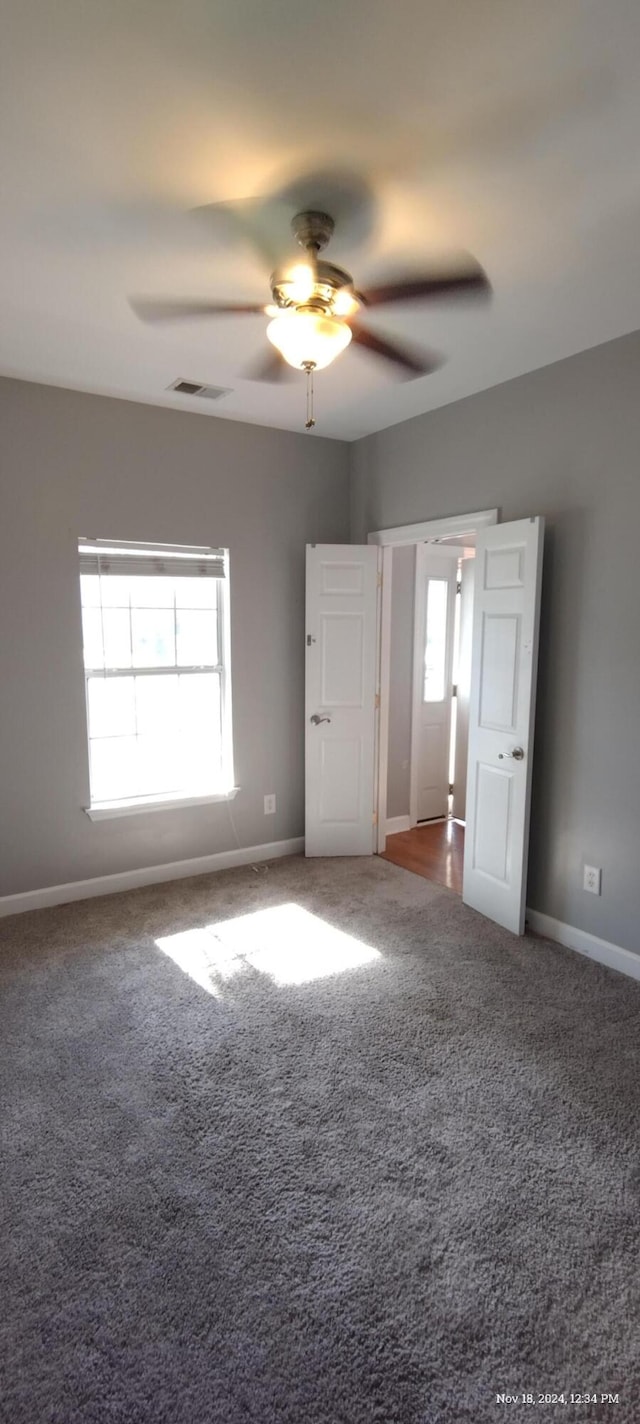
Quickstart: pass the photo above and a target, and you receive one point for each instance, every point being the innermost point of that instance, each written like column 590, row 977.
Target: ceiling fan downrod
column 312, row 230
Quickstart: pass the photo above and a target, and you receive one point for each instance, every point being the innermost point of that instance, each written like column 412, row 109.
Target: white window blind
column 156, row 656
column 103, row 559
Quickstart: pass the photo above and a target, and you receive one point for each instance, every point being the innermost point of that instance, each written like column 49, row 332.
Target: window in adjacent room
column 156, row 658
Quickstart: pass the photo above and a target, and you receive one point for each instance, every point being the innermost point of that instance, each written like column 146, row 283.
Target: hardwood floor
column 435, row 851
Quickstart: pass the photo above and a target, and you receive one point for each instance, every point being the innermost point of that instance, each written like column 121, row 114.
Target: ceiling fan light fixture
column 308, row 338
column 345, row 303
column 299, row 283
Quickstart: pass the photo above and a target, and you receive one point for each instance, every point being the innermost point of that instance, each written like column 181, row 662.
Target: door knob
column 516, row 755
column 317, row 719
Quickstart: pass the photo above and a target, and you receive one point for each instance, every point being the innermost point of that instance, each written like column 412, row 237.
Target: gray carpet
column 271, row 1193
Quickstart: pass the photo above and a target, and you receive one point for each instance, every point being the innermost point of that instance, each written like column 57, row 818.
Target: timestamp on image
column 566, row 1396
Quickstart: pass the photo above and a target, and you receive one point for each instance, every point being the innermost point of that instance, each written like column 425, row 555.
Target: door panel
column 341, row 673
column 432, row 681
column 499, row 671
column 501, row 713
column 341, row 638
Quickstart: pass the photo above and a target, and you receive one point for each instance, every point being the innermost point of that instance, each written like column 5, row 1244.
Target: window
column 156, row 658
column 435, row 652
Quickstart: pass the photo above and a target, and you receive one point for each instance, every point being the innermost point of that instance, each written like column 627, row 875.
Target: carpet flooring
column 315, row 1145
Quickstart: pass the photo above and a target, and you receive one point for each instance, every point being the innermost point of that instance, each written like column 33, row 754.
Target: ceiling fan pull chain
column 310, row 420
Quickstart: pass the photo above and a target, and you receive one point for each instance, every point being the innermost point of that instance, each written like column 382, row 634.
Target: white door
column 508, row 570
column 340, row 698
column 435, row 603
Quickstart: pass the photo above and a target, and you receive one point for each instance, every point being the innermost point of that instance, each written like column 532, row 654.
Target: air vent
column 192, row 388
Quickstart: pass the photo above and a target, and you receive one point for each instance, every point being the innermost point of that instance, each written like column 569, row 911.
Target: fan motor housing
column 329, row 281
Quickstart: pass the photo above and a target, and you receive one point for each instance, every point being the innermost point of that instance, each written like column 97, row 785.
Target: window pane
column 114, row 591
column 200, row 704
column 435, row 640
column 114, row 768
column 112, row 710
column 202, row 765
column 117, row 637
column 157, row 705
column 92, row 638
column 159, row 766
column 106, row 637
column 150, row 591
column 197, row 638
column 90, row 590
column 153, row 632
column 196, row 592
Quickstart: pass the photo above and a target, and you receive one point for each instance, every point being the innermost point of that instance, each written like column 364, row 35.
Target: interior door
column 432, row 681
column 340, row 698
column 508, row 569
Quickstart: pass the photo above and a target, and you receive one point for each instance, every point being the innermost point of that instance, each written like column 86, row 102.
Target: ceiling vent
column 193, row 388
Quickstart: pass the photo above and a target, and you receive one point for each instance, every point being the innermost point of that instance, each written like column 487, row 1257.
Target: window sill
column 107, row 810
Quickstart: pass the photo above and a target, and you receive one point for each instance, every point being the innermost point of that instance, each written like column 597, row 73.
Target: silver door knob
column 516, row 755
column 317, row 719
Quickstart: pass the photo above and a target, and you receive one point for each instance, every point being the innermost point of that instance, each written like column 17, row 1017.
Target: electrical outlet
column 270, row 804
column 592, row 880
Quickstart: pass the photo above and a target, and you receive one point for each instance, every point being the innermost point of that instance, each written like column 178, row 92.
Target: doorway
column 348, row 651
column 426, row 710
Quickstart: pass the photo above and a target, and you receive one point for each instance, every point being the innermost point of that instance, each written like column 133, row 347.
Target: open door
column 340, row 698
column 508, row 569
column 435, row 604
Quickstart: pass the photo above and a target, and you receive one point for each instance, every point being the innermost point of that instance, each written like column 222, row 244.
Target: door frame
column 388, row 539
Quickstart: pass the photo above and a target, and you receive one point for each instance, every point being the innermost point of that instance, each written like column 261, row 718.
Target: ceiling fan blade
column 471, row 281
column 271, row 367
column 259, row 225
column 411, row 362
column 166, row 309
column 264, row 222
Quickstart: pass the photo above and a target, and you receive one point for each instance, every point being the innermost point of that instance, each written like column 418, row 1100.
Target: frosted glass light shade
column 304, row 336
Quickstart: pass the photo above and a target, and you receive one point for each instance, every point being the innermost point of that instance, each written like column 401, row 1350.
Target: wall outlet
column 270, row 804
column 592, row 879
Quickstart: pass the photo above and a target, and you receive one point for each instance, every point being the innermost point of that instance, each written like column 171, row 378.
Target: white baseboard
column 397, row 824
column 148, row 875
column 613, row 955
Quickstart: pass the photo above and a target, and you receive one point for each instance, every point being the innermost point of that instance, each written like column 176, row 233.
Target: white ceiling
column 507, row 129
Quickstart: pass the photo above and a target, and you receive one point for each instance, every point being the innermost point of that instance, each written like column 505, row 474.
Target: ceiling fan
column 315, row 307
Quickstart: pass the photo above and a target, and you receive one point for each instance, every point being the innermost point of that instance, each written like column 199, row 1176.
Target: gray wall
column 401, row 681
column 78, row 464
column 563, row 442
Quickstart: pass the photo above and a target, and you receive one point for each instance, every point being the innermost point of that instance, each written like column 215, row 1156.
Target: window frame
column 99, row 810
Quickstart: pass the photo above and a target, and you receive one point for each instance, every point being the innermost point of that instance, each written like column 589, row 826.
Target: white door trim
column 389, row 539
column 454, row 526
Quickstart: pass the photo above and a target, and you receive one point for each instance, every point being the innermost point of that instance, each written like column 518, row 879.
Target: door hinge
column 376, row 701
column 458, row 588
column 454, row 690
column 310, row 640
column 450, row 788
column 374, row 818
column 379, row 580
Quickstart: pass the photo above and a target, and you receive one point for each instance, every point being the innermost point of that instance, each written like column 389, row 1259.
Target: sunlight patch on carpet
column 285, row 942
